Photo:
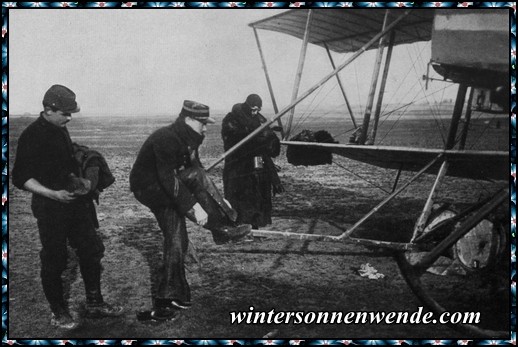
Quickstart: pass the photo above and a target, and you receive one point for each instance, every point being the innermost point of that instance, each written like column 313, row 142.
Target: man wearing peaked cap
column 168, row 178
column 196, row 111
column 45, row 166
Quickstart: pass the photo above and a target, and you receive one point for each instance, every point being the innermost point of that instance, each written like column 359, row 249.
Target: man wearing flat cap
column 45, row 166
column 169, row 179
column 249, row 175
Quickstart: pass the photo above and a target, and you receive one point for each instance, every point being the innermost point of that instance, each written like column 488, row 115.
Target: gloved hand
column 201, row 216
column 278, row 189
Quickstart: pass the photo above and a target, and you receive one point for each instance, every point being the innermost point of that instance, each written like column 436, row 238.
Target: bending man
column 168, row 178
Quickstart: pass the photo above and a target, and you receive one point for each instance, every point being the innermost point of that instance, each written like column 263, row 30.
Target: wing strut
column 341, row 87
column 374, row 82
column 396, row 181
column 427, row 209
column 268, row 82
column 457, row 113
column 467, row 119
column 382, row 88
column 309, row 91
column 388, row 198
column 298, row 76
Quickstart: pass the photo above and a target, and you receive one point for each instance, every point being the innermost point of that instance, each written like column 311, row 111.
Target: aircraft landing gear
column 462, row 267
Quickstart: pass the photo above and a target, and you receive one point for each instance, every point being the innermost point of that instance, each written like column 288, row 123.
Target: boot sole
column 150, row 316
column 179, row 305
column 244, row 230
column 65, row 327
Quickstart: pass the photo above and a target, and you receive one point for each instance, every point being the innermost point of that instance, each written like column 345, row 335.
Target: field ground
column 285, row 275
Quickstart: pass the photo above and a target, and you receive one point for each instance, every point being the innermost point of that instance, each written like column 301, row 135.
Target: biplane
column 469, row 49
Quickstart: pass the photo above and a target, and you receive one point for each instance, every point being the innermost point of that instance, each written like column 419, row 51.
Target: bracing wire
column 384, row 117
column 305, row 114
column 435, row 112
column 477, row 182
column 360, row 177
column 437, row 116
column 419, row 53
column 394, row 123
column 418, row 59
column 414, row 61
column 484, row 129
column 304, row 117
column 400, row 85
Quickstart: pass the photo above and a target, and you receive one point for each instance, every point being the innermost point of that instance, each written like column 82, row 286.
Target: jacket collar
column 45, row 123
column 190, row 137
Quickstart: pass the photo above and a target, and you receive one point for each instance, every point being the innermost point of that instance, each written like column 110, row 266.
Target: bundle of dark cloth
column 94, row 173
column 300, row 155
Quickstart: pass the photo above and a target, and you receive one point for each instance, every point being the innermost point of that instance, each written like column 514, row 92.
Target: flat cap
column 62, row 98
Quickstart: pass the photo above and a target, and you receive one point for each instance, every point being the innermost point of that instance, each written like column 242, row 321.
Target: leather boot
column 61, row 318
column 92, row 280
column 95, row 305
column 206, row 193
column 226, row 234
column 216, row 195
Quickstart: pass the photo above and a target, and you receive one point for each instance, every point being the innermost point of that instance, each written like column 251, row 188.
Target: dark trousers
column 79, row 230
column 172, row 283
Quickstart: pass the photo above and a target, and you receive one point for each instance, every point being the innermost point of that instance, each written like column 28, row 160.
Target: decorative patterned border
column 5, row 13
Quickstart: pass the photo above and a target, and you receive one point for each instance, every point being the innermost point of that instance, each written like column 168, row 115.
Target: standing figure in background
column 63, row 206
column 250, row 176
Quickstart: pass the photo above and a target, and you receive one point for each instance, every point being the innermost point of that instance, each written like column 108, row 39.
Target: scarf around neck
column 190, row 137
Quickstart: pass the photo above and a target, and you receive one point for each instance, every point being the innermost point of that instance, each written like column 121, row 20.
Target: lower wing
column 490, row 165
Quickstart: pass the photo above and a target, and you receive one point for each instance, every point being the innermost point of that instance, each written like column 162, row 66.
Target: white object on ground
column 366, row 270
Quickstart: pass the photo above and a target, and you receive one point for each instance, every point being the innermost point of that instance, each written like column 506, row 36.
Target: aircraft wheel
column 480, row 248
column 471, row 276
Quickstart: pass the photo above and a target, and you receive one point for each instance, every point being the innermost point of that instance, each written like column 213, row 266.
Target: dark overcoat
column 249, row 189
column 166, row 152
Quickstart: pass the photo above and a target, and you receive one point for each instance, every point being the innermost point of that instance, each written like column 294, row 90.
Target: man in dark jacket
column 249, row 173
column 168, row 178
column 45, row 166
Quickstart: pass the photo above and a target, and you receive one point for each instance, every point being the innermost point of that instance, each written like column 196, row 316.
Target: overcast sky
column 147, row 61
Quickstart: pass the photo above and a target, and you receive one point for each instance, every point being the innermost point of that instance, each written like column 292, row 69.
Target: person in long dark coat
column 249, row 175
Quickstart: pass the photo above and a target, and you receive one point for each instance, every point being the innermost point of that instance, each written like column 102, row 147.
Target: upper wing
column 347, row 30
column 467, row 164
